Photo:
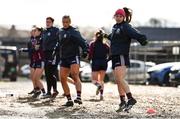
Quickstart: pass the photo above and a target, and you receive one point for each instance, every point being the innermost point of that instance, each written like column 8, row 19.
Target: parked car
column 149, row 64
column 2, row 66
column 159, row 74
column 137, row 73
column 85, row 70
column 174, row 75
column 25, row 70
column 9, row 54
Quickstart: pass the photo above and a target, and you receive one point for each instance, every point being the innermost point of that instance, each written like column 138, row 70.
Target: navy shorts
column 99, row 64
column 120, row 60
column 38, row 64
column 69, row 61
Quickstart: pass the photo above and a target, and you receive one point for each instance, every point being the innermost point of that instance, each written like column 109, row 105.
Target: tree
column 154, row 22
column 12, row 33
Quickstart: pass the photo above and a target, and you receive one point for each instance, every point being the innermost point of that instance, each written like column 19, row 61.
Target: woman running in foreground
column 70, row 41
column 122, row 33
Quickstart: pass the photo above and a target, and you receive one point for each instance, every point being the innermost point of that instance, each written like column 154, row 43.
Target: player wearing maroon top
column 99, row 53
column 37, row 61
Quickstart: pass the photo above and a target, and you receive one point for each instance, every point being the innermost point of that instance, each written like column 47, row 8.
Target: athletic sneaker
column 101, row 97
column 43, row 94
column 69, row 103
column 98, row 90
column 78, row 100
column 36, row 94
column 46, row 95
column 32, row 92
column 131, row 102
column 122, row 106
column 54, row 95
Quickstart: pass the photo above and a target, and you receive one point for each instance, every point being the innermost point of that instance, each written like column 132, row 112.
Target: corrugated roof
column 161, row 34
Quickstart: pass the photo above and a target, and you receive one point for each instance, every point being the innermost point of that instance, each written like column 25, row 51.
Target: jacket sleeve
column 57, row 39
column 134, row 34
column 81, row 41
column 29, row 49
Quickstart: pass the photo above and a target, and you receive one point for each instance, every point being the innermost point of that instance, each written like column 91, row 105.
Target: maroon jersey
column 98, row 50
column 36, row 49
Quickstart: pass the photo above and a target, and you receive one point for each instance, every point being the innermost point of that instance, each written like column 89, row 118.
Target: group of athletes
column 51, row 47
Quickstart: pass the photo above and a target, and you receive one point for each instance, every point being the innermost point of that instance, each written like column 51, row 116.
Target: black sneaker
column 69, row 103
column 122, row 106
column 131, row 102
column 78, row 100
column 36, row 94
column 32, row 92
column 54, row 95
column 98, row 90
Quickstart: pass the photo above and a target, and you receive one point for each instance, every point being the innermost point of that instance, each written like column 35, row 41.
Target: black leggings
column 51, row 74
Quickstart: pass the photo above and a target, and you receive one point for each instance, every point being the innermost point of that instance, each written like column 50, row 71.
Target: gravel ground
column 153, row 102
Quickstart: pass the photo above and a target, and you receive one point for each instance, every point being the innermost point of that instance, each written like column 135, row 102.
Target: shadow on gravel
column 84, row 113
column 26, row 99
column 35, row 102
column 93, row 100
column 66, row 112
column 41, row 103
column 7, row 112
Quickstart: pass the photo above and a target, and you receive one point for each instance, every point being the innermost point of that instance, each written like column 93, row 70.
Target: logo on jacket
column 65, row 35
column 49, row 34
column 118, row 31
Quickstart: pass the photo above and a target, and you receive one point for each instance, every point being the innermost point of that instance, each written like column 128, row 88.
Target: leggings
column 51, row 74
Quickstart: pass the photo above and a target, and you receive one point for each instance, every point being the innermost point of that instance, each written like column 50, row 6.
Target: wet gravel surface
column 153, row 102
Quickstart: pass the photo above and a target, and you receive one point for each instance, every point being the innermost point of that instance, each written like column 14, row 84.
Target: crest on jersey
column 65, row 35
column 49, row 34
column 118, row 31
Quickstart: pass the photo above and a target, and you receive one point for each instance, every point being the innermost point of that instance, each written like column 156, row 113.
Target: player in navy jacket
column 122, row 33
column 70, row 41
column 51, row 53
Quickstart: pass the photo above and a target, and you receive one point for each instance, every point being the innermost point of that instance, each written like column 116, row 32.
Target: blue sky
column 96, row 13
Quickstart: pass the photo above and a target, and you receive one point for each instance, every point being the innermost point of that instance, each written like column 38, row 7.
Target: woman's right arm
column 28, row 49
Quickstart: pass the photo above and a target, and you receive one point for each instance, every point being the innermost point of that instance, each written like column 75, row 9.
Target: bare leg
column 75, row 76
column 37, row 75
column 120, row 73
column 32, row 70
column 64, row 73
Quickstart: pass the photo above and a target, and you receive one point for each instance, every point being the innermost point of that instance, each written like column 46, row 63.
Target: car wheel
column 153, row 81
column 146, row 83
column 166, row 80
column 13, row 78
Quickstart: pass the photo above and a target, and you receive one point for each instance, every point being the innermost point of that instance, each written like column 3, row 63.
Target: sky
column 95, row 13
